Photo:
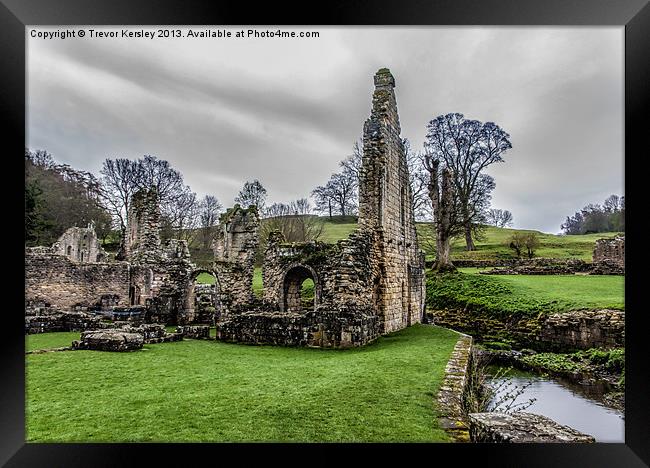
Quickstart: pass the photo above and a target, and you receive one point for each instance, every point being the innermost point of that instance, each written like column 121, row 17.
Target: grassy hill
column 492, row 245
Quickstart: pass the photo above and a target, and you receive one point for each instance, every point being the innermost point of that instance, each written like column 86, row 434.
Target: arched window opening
column 203, row 299
column 300, row 292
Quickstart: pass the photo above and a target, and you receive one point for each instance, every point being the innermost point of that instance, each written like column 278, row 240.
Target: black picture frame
column 633, row 15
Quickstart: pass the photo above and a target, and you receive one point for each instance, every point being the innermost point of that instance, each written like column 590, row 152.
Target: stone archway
column 293, row 292
column 202, row 304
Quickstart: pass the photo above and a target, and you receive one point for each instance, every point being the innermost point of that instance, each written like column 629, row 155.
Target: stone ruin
column 522, row 427
column 609, row 256
column 367, row 285
column 80, row 245
column 75, row 276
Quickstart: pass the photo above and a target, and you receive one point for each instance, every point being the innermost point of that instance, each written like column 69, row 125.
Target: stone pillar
column 235, row 248
column 142, row 243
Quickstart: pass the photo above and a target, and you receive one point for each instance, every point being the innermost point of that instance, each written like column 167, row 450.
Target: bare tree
column 181, row 218
column 324, row 198
column 293, row 220
column 121, row 178
column 352, row 164
column 467, row 147
column 419, row 180
column 118, row 184
column 499, row 218
column 253, row 193
column 209, row 210
column 441, row 193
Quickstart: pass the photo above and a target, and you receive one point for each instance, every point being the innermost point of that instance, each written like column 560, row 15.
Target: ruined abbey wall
column 154, row 276
column 64, row 284
column 610, row 251
column 80, row 245
column 235, row 246
column 385, row 207
column 368, row 284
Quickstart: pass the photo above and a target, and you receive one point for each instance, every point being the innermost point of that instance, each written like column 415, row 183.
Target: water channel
column 568, row 403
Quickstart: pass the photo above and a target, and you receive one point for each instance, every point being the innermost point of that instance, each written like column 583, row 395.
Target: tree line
column 610, row 217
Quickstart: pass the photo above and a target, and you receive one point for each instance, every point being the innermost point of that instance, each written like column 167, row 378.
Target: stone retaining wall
column 521, row 427
column 453, row 390
column 561, row 332
column 317, row 329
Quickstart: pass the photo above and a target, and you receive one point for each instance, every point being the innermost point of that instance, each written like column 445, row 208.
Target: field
column 193, row 391
column 525, row 293
column 493, row 245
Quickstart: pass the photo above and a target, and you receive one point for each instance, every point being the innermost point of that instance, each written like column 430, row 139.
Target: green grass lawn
column 50, row 340
column 525, row 293
column 195, row 390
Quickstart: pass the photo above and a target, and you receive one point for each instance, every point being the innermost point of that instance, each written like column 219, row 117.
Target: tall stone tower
column 142, row 243
column 386, row 208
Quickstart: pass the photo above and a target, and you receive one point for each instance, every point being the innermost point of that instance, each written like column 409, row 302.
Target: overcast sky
column 286, row 111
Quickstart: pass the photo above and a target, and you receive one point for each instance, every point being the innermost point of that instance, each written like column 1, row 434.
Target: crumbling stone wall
column 80, row 245
column 366, row 285
column 522, row 427
column 611, row 250
column 285, row 268
column 161, row 273
column 201, row 300
column 323, row 329
column 64, row 284
column 559, row 332
column 234, row 248
column 609, row 256
column 142, row 243
column 385, row 207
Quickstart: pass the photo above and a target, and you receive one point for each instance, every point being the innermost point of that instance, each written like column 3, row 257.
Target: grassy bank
column 193, row 391
column 507, row 294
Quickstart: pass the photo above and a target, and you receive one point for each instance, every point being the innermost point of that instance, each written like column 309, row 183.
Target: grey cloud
column 286, row 114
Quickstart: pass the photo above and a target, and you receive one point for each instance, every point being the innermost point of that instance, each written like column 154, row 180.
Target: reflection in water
column 562, row 403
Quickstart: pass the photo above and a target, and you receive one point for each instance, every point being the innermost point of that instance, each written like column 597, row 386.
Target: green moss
column 610, row 360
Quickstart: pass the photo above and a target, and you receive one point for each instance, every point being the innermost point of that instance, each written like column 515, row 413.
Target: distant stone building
column 80, row 245
column 610, row 251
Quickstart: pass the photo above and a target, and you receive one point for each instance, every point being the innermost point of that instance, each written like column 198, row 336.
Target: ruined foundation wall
column 315, row 328
column 56, row 280
column 559, row 332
